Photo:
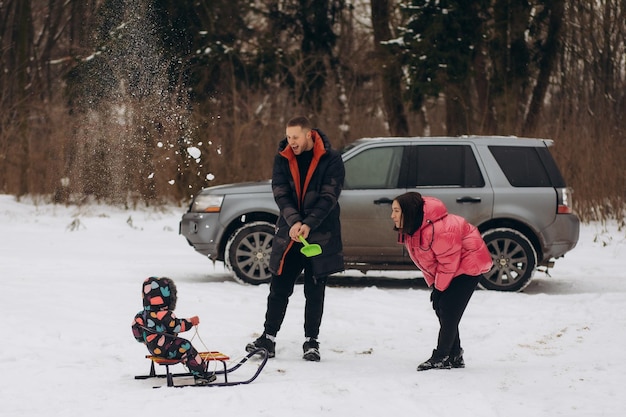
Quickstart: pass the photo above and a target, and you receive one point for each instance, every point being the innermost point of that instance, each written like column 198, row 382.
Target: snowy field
column 71, row 281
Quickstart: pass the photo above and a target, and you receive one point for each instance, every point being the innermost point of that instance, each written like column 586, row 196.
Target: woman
column 452, row 256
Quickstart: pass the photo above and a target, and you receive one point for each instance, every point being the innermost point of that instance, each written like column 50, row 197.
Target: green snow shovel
column 308, row 249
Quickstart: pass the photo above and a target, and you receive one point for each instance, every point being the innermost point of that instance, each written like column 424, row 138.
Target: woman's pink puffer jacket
column 446, row 246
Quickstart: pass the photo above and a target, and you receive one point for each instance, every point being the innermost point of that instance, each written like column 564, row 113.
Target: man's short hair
column 301, row 121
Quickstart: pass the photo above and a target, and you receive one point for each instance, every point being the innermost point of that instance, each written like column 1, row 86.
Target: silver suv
column 510, row 188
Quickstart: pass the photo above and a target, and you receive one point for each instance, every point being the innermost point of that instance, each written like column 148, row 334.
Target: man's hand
column 299, row 229
column 295, row 229
column 304, row 230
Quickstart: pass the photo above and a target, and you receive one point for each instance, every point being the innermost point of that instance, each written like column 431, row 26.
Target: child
column 157, row 326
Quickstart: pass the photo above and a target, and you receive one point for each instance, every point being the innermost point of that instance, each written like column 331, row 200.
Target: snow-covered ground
column 71, row 281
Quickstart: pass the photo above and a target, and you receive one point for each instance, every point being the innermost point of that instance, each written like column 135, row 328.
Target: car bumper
column 563, row 234
column 202, row 232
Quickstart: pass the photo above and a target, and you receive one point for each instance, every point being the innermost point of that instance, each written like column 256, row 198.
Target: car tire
column 514, row 260
column 247, row 252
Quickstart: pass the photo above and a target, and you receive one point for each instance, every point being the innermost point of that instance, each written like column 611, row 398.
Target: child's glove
column 195, row 320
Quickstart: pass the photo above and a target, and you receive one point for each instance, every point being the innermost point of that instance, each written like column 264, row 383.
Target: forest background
column 148, row 101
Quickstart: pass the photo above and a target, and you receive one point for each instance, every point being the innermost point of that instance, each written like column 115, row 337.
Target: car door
column 374, row 175
column 450, row 172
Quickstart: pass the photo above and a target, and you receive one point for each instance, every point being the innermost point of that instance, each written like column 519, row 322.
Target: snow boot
column 456, row 360
column 436, row 361
column 311, row 349
column 205, row 379
column 263, row 342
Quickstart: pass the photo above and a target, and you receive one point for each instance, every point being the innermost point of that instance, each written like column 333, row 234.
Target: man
column 307, row 179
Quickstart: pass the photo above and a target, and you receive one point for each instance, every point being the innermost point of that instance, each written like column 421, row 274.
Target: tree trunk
column 317, row 43
column 22, row 39
column 458, row 110
column 390, row 70
column 549, row 56
column 511, row 63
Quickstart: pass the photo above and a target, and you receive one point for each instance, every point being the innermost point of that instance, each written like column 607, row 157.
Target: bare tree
column 19, row 86
column 390, row 68
column 96, row 100
column 587, row 101
column 550, row 49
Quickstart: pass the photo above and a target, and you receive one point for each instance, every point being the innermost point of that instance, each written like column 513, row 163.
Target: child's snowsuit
column 157, row 326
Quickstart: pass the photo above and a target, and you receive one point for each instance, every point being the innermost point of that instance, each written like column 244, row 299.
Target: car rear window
column 445, row 166
column 527, row 166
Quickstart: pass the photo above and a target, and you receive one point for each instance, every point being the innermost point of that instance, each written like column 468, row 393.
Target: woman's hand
column 435, row 296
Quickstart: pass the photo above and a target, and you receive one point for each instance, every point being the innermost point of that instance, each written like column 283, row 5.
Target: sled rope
column 207, row 350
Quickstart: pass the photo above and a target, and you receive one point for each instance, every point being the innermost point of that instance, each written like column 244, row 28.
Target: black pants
column 449, row 309
column 281, row 288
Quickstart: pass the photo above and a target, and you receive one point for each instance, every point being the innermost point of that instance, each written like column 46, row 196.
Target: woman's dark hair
column 412, row 206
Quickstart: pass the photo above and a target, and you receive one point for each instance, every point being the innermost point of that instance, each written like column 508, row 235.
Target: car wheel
column 247, row 252
column 514, row 260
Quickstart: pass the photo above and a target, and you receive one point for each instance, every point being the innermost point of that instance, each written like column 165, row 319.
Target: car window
column 522, row 166
column 374, row 168
column 445, row 166
column 553, row 170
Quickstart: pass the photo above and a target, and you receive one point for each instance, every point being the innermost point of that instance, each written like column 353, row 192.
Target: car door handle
column 383, row 200
column 468, row 199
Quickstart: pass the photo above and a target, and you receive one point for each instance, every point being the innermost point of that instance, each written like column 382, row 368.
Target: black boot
column 436, row 361
column 265, row 343
column 456, row 360
column 205, row 379
column 311, row 349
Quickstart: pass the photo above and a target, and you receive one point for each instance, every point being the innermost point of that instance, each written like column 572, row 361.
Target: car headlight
column 209, row 203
